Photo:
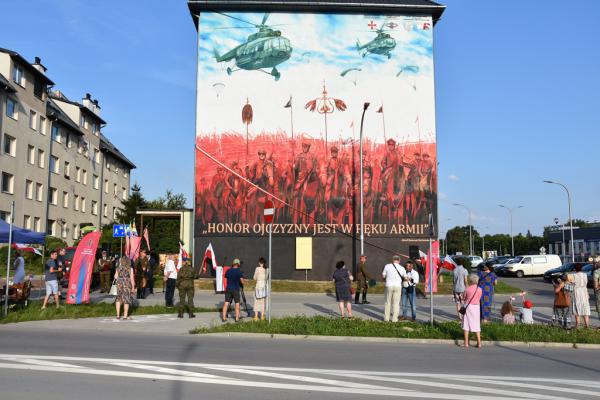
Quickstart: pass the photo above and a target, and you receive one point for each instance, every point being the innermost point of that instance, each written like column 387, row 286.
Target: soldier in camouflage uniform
column 185, row 286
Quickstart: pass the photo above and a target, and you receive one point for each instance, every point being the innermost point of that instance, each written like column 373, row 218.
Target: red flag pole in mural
column 81, row 269
column 380, row 111
column 291, row 107
column 325, row 105
column 247, row 115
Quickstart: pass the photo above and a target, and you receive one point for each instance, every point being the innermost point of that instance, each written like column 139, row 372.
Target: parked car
column 554, row 273
column 500, row 265
column 475, row 261
column 493, row 262
column 535, row 264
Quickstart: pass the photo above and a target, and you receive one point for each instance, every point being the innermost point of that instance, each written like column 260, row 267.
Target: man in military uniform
column 306, row 186
column 337, row 187
column 104, row 265
column 362, row 280
column 141, row 274
column 261, row 173
column 185, row 286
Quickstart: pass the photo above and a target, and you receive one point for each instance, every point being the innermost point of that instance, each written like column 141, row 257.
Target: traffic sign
column 269, row 211
column 118, row 230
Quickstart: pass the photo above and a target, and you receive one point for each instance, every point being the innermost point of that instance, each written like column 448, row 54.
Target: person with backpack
column 393, row 274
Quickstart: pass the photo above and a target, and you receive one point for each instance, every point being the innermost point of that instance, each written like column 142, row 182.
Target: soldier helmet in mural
column 425, row 155
column 334, row 149
column 262, row 152
column 391, row 142
column 306, row 144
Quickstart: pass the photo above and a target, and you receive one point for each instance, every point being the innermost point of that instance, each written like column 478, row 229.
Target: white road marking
column 303, row 381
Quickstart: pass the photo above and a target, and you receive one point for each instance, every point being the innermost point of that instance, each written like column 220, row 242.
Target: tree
column 458, row 239
column 169, row 202
column 132, row 205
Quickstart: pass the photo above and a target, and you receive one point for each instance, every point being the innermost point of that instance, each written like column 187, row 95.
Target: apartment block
column 56, row 163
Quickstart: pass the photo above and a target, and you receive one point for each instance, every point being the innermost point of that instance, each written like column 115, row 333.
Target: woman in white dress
column 260, row 290
column 581, row 305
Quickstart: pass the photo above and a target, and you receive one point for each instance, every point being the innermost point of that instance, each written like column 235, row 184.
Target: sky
column 517, row 91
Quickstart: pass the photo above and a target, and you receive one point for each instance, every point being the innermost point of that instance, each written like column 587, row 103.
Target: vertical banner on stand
column 81, row 269
column 435, row 260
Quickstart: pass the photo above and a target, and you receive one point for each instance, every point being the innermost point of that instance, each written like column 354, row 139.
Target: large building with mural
column 285, row 92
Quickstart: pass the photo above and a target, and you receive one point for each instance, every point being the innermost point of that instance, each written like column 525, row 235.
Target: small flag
column 289, row 103
column 380, row 109
column 423, row 257
column 182, row 254
column 146, row 237
column 133, row 230
column 449, row 263
column 22, row 247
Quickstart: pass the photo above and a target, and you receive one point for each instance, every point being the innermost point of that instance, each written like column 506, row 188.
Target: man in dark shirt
column 50, row 270
column 235, row 278
column 60, row 263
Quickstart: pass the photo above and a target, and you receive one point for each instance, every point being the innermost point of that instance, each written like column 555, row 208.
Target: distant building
column 56, row 164
column 586, row 242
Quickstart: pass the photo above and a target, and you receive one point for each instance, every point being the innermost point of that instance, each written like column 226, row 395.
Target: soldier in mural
column 427, row 184
column 203, row 208
column 337, row 187
column 235, row 193
column 413, row 192
column 369, row 195
column 390, row 180
column 306, row 186
column 218, row 190
column 261, row 173
column 284, row 172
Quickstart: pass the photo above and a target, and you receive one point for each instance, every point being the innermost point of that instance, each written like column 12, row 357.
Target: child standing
column 562, row 302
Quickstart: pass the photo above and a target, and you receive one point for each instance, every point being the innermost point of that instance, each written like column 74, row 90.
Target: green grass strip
column 33, row 311
column 325, row 326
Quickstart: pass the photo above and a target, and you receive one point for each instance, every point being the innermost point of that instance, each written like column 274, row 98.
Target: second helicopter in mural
column 383, row 44
column 263, row 49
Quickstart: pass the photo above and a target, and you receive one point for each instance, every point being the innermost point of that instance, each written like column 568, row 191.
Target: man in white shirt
column 170, row 280
column 409, row 290
column 393, row 274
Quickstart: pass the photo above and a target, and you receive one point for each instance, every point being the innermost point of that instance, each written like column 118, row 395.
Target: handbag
column 463, row 308
column 113, row 288
column 562, row 300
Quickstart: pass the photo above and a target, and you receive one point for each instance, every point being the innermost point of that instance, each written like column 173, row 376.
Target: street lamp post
column 512, row 238
column 570, row 219
column 362, row 214
column 470, row 227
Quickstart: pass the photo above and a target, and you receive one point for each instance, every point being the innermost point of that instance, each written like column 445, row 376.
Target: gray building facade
column 57, row 166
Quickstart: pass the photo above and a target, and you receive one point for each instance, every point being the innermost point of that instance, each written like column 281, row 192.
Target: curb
column 388, row 340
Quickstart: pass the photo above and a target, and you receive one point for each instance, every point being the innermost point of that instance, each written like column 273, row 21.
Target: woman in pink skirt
column 471, row 319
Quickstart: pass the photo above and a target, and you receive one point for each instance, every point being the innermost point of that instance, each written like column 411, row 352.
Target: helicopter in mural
column 263, row 49
column 382, row 45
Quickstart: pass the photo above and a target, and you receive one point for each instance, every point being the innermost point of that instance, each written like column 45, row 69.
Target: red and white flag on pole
column 449, row 263
column 22, row 247
column 146, row 237
column 182, row 254
column 209, row 256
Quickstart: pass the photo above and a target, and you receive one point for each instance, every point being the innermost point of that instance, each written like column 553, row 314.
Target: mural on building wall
column 279, row 105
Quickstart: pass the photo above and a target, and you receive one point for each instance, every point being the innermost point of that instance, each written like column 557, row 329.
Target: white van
column 535, row 264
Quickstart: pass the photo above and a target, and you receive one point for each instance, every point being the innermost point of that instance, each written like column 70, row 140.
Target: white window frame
column 39, row 191
column 18, row 75
column 76, row 203
column 31, row 154
column 12, row 145
column 53, row 196
column 94, row 207
column 33, row 120
column 42, row 125
column 96, row 181
column 65, row 199
column 54, row 164
column 83, row 204
column 84, row 177
column 77, row 174
column 28, row 189
column 37, row 224
column 15, row 113
column 27, row 221
column 11, row 182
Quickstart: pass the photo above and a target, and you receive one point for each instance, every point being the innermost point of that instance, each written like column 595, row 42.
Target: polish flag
column 423, row 257
column 182, row 254
column 22, row 247
column 449, row 263
column 209, row 254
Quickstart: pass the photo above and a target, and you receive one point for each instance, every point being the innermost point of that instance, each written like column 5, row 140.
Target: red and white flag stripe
column 22, row 247
column 449, row 263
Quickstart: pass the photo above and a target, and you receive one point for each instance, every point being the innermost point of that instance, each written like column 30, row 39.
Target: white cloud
column 442, row 196
column 453, row 178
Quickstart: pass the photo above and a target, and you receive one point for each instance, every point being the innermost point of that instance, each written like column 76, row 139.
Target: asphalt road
column 38, row 364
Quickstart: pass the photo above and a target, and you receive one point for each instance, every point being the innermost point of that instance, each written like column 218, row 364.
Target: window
column 37, row 226
column 27, row 222
column 125, row 174
column 5, row 215
column 31, row 154
column 7, row 182
column 50, row 227
column 67, row 170
column 63, row 231
column 539, row 260
column 94, row 207
column 106, row 186
column 79, row 146
column 96, row 156
column 115, row 213
column 81, row 120
column 39, row 192
column 18, row 76
column 115, row 190
column 95, row 129
column 77, row 174
column 116, row 169
column 28, row 189
column 76, row 206
column 74, row 231
column 33, row 120
column 124, row 193
column 10, row 145
column 42, row 125
column 82, row 204
column 39, row 88
column 84, row 177
column 105, row 211
column 66, row 199
column 41, row 158
column 55, row 164
column 108, row 165
column 53, row 196
column 55, row 133
column 69, row 140
column 11, row 108
column 96, row 182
